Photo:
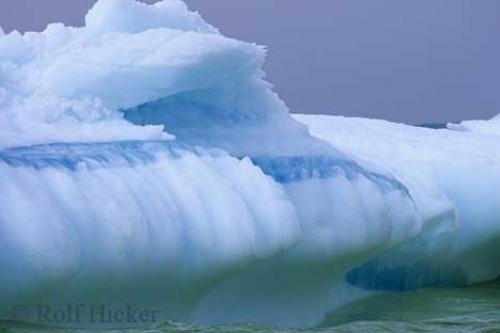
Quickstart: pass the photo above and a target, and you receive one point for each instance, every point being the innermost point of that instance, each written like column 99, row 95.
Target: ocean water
column 466, row 309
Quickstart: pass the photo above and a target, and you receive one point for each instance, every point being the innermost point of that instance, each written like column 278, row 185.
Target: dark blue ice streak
column 72, row 155
column 283, row 169
column 287, row 169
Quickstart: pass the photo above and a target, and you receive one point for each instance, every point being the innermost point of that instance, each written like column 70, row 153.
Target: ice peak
column 133, row 16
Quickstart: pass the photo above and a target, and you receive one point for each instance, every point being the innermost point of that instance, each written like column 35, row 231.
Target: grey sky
column 405, row 60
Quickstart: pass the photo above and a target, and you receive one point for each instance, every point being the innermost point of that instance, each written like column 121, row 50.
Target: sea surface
column 466, row 309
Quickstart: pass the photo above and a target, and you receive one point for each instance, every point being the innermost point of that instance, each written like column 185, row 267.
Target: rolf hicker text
column 94, row 314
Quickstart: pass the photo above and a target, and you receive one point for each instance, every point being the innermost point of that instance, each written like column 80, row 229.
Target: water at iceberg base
column 145, row 160
column 447, row 309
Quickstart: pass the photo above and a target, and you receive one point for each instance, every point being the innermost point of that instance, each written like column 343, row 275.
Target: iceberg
column 489, row 127
column 144, row 158
column 455, row 172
